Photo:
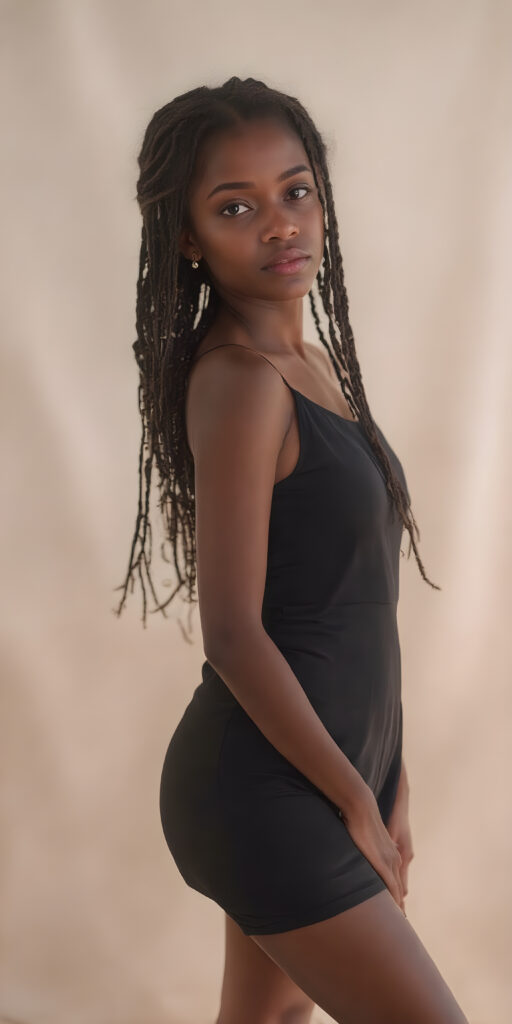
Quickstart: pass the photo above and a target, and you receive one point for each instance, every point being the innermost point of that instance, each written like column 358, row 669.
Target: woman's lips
column 290, row 266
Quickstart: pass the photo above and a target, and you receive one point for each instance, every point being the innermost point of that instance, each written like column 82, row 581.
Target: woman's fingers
column 365, row 825
column 396, row 887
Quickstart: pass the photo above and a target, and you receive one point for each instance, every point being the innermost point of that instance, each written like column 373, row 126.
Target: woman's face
column 245, row 207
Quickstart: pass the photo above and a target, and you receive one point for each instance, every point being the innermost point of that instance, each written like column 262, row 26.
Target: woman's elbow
column 229, row 634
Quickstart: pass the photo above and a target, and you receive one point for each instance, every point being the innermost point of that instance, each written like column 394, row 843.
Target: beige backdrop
column 97, row 926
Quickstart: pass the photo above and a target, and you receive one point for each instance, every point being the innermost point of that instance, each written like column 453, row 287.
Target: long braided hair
column 176, row 305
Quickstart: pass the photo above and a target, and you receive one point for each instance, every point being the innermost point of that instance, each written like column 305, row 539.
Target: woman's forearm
column 262, row 681
column 403, row 783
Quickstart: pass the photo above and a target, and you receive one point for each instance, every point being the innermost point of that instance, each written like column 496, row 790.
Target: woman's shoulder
column 320, row 356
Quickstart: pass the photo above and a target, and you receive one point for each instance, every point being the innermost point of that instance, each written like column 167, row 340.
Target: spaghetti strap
column 234, row 344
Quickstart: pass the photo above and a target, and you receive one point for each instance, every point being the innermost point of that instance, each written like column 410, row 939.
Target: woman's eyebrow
column 250, row 184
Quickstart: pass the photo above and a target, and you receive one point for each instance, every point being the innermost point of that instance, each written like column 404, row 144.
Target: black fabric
column 244, row 826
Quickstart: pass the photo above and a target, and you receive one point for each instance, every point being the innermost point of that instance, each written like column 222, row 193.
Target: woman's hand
column 365, row 825
column 400, row 830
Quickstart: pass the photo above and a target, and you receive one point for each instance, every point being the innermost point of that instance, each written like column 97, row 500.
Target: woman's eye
column 230, row 205
column 238, row 202
column 297, row 188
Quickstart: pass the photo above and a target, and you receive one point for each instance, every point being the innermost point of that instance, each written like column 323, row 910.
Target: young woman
column 283, row 796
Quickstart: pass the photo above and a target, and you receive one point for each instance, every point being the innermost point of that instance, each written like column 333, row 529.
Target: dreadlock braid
column 176, row 306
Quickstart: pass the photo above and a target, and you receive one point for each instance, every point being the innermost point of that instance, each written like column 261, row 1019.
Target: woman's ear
column 187, row 245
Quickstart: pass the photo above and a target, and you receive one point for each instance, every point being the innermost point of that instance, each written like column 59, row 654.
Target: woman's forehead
column 255, row 149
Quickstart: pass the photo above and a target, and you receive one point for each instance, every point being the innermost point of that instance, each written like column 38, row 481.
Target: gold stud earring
column 195, row 264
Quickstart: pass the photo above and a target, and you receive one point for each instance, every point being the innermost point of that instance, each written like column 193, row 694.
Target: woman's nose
column 278, row 224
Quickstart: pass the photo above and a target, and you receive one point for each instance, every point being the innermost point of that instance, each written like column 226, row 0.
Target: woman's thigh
column 366, row 965
column 254, row 989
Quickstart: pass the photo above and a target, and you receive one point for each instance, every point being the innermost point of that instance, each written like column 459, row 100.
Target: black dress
column 244, row 826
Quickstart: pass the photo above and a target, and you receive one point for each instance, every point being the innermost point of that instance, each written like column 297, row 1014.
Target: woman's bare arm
column 238, row 412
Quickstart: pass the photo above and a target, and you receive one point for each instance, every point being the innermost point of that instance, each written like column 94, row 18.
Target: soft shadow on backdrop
column 413, row 99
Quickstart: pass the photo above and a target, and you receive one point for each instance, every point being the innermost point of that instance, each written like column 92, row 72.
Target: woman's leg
column 366, row 965
column 254, row 989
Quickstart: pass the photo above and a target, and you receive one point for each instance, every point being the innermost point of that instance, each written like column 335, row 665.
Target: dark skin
column 243, row 432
